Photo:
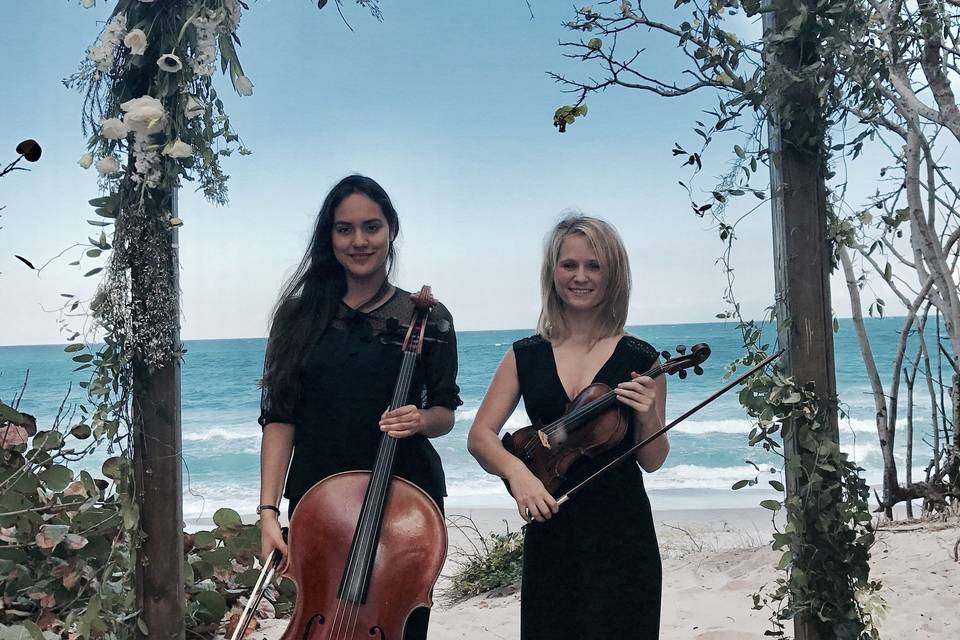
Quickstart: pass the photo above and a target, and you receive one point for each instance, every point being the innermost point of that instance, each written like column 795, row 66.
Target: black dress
column 593, row 570
column 347, row 384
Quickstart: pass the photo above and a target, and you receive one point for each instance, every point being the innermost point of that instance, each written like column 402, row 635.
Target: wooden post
column 157, row 464
column 801, row 252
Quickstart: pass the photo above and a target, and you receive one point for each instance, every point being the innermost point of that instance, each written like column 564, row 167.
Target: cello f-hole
column 317, row 617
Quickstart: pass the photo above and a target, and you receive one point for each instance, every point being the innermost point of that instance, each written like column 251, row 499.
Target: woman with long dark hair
column 331, row 367
column 591, row 570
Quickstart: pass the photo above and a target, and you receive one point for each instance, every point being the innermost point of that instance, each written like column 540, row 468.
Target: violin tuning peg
column 681, row 349
column 665, row 355
column 698, row 370
column 683, row 374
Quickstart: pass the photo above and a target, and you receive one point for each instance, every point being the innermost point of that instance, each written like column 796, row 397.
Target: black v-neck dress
column 593, row 570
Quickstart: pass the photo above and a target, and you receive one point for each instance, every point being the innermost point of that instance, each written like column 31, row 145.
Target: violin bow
column 256, row 595
column 640, row 445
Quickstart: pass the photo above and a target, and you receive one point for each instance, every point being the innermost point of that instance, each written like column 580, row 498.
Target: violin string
column 586, row 409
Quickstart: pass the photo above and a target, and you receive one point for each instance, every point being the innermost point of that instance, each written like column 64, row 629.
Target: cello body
column 410, row 552
column 366, row 548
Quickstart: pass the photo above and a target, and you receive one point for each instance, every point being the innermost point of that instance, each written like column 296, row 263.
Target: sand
column 712, row 561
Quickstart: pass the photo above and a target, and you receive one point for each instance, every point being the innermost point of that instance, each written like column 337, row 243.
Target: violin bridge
column 544, row 439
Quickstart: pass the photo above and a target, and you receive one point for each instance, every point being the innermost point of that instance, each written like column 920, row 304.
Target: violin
column 593, row 422
column 365, row 547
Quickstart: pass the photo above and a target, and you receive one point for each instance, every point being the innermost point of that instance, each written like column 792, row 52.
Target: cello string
column 391, row 443
column 357, row 578
column 403, row 388
column 347, row 607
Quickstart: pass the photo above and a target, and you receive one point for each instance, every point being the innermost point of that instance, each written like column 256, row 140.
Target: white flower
column 178, row 149
column 113, row 129
column 170, row 63
column 86, row 160
column 144, row 114
column 107, row 166
column 88, row 3
column 243, row 86
column 147, row 165
column 136, row 41
column 193, row 108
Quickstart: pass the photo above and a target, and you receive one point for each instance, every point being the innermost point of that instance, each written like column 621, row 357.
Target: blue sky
column 447, row 104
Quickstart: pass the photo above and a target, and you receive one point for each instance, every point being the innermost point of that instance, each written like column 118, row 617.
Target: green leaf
column 47, row 440
column 740, row 484
column 204, row 540
column 81, row 431
column 33, row 630
column 9, row 414
column 56, row 478
column 737, row 149
column 594, row 44
column 227, row 518
column 773, row 505
column 212, row 606
column 93, row 272
column 111, row 468
column 776, row 485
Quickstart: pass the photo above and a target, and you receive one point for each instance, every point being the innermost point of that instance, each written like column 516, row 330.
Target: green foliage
column 828, row 531
column 493, row 563
column 221, row 567
column 66, row 540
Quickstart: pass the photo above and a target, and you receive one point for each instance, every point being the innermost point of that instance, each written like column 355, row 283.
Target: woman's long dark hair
column 310, row 297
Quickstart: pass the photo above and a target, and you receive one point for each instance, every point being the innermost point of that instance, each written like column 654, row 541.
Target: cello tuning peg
column 681, row 349
column 665, row 355
column 698, row 370
column 682, row 373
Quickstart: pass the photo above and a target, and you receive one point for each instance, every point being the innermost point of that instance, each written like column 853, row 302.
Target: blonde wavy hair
column 608, row 247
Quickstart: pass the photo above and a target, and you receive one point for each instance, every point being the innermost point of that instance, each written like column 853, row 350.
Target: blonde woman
column 591, row 569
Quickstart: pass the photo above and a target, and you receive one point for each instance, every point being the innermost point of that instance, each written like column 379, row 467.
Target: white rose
column 243, row 86
column 107, row 166
column 85, row 160
column 113, row 129
column 144, row 114
column 169, row 63
column 178, row 149
column 136, row 41
column 193, row 108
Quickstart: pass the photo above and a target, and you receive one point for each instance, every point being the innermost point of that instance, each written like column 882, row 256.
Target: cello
column 365, row 547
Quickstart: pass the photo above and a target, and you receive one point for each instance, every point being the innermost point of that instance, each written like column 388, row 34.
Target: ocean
column 708, row 452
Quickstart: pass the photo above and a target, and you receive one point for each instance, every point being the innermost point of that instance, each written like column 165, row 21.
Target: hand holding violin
column 640, row 394
column 534, row 502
